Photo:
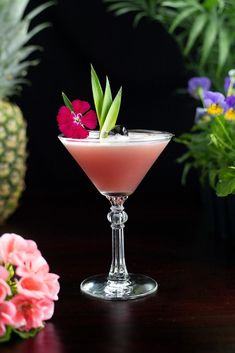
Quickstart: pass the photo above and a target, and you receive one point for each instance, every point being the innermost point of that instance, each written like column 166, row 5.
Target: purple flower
column 214, row 102
column 230, row 102
column 198, row 85
column 230, row 108
column 227, row 82
column 201, row 115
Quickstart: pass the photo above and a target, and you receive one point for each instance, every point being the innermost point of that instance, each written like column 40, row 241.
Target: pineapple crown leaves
column 14, row 36
column 107, row 108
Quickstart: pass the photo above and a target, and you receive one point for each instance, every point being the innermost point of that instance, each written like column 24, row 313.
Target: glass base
column 136, row 286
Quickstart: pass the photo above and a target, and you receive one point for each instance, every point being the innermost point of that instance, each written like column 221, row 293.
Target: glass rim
column 150, row 136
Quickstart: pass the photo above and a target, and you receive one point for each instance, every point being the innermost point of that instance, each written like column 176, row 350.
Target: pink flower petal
column 2, row 329
column 14, row 249
column 32, row 286
column 80, row 106
column 28, row 313
column 4, row 290
column 4, row 274
column 75, row 131
column 7, row 313
column 47, row 308
column 89, row 119
column 63, row 117
column 33, row 265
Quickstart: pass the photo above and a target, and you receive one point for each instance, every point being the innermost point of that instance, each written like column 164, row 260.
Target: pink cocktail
column 116, row 165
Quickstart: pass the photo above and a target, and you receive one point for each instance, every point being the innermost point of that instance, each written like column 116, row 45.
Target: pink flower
column 4, row 288
column 7, row 314
column 53, row 287
column 33, row 265
column 14, row 249
column 39, row 287
column 27, row 288
column 74, row 124
column 31, row 312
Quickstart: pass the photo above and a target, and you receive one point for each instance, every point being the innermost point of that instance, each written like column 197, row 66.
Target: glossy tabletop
column 194, row 307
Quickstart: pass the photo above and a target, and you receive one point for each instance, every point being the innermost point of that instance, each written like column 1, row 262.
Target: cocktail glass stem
column 118, row 273
column 118, row 284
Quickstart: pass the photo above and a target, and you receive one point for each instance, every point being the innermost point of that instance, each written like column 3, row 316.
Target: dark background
column 145, row 60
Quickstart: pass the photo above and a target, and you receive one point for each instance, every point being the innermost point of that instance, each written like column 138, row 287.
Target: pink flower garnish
column 74, row 124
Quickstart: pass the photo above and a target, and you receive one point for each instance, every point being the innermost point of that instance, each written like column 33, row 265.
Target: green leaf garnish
column 107, row 101
column 97, row 94
column 107, row 109
column 67, row 102
column 111, row 118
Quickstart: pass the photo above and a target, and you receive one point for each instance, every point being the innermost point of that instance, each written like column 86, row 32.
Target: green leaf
column 175, row 4
column 138, row 17
column 209, row 39
column 123, row 6
column 213, row 173
column 186, row 14
column 186, row 170
column 226, row 184
column 224, row 48
column 67, row 102
column 184, row 157
column 107, row 101
column 7, row 335
column 39, row 9
column 195, row 31
column 11, row 271
column 112, row 115
column 28, row 334
column 209, row 4
column 97, row 93
column 125, row 10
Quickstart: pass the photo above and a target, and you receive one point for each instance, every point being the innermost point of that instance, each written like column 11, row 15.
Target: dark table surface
column 194, row 307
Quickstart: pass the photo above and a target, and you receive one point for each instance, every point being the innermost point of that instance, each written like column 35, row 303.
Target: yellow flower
column 215, row 109
column 230, row 114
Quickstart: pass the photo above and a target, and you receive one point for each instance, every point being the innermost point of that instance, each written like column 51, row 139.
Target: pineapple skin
column 13, row 156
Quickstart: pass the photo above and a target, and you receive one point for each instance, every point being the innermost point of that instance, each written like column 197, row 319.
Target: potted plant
column 210, row 149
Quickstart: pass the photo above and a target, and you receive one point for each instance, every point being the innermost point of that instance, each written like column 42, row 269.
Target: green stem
column 200, row 94
column 224, row 130
column 224, row 144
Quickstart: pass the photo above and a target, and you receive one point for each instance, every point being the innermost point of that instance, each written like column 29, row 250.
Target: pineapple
column 14, row 34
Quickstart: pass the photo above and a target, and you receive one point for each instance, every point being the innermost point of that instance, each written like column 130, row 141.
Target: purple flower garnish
column 214, row 102
column 198, row 85
column 230, row 108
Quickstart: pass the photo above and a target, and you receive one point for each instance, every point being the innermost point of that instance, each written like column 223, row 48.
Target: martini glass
column 116, row 166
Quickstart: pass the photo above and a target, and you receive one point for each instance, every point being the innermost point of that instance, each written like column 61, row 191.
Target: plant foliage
column 204, row 29
column 211, row 150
